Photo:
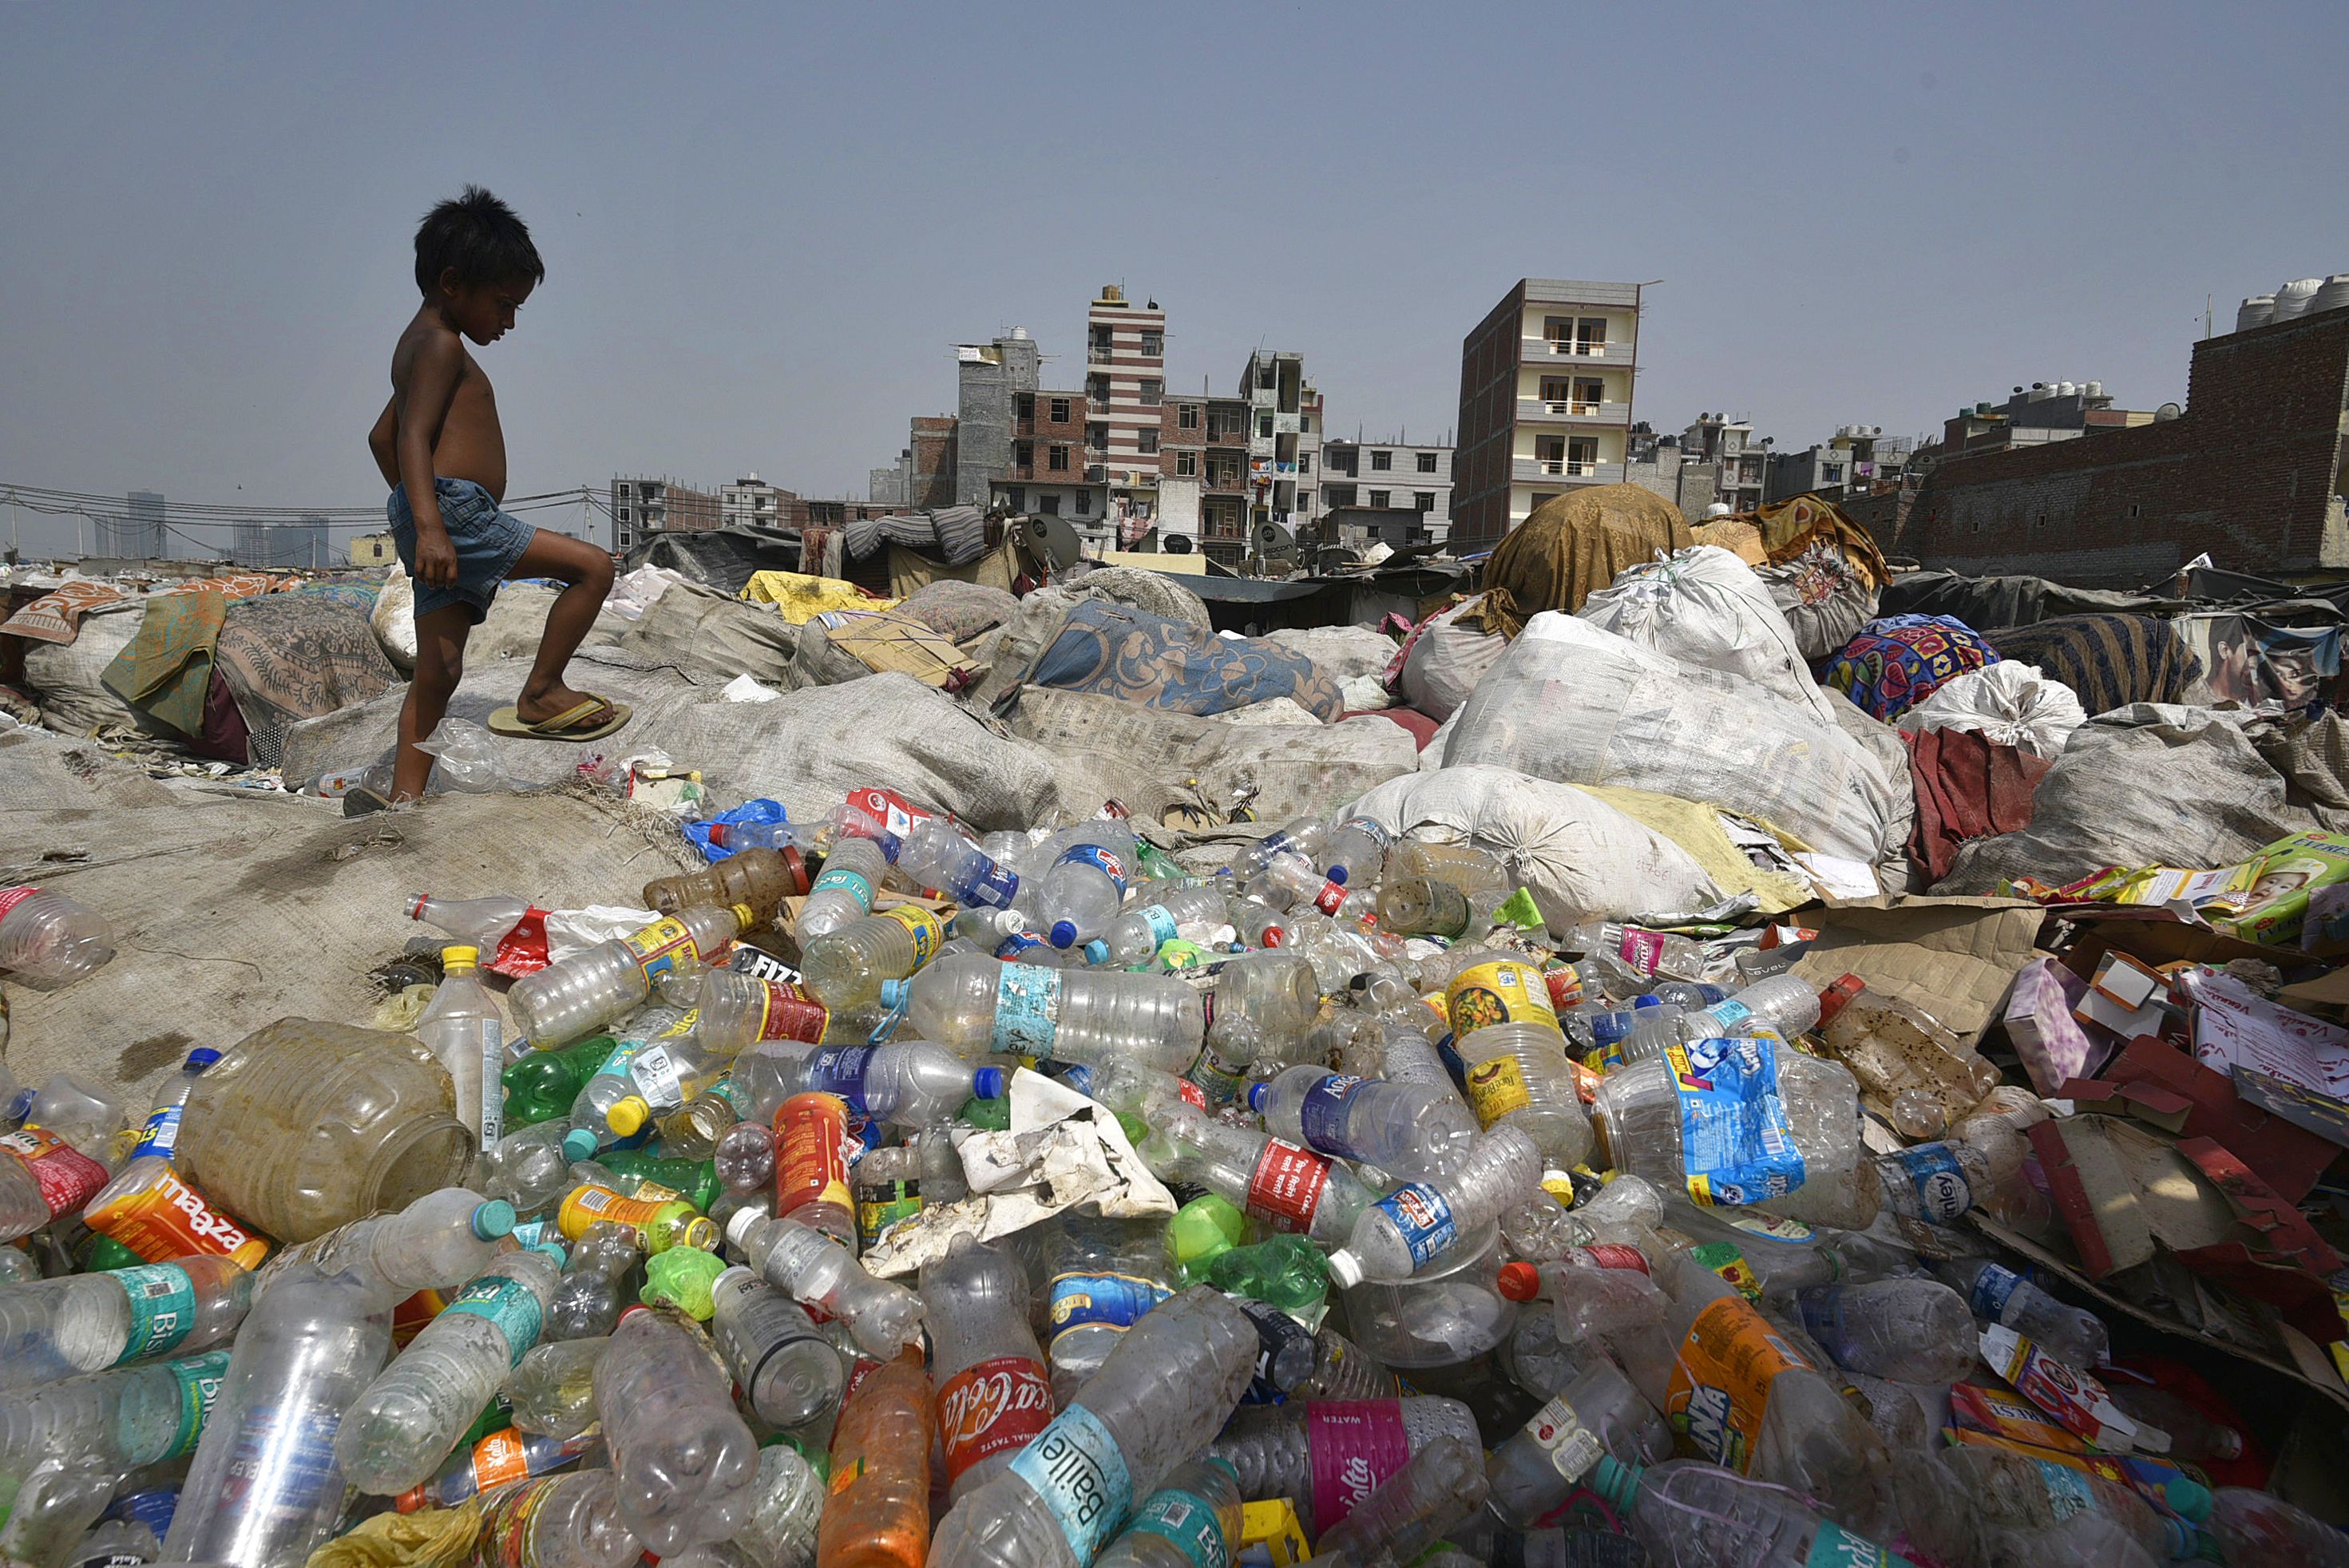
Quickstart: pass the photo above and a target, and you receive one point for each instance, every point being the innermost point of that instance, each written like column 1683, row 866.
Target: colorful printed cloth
column 1899, row 661
column 1118, row 651
column 293, row 656
column 167, row 668
column 56, row 617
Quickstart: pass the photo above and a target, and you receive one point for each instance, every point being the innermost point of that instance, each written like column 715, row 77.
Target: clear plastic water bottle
column 682, row 1459
column 1408, row 1129
column 849, row 968
column 1693, row 1515
column 1785, row 1005
column 1359, row 844
column 1441, row 1486
column 1135, row 936
column 558, row 1522
column 462, row 1028
column 1518, row 1076
column 1096, row 1278
column 595, row 1282
column 783, row 1522
column 47, row 941
column 114, row 1421
column 910, row 1082
column 816, row 1271
column 1280, row 1184
column 937, row 856
column 2260, row 1529
column 552, row 1391
column 1329, row 1455
column 973, row 1006
column 442, row 1239
column 401, row 1429
column 993, row 1392
column 160, row 1137
column 1291, row 882
column 788, row 1372
column 1084, row 881
column 1275, row 991
column 1996, row 1294
column 1156, row 1400
column 1597, row 1416
column 565, row 1002
column 1422, row 1219
column 265, row 1487
column 2044, row 1503
column 1915, row 1329
column 86, row 1323
column 1304, row 837
column 531, row 1169
column 480, row 923
column 1192, row 1521
column 843, row 891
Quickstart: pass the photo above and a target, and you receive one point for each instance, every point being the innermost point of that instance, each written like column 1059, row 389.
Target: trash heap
column 884, row 1194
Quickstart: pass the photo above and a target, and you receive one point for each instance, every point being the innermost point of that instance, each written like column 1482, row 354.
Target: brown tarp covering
column 1790, row 527
column 1741, row 536
column 1569, row 549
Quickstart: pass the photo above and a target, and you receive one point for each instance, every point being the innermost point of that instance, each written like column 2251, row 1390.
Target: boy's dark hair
column 479, row 236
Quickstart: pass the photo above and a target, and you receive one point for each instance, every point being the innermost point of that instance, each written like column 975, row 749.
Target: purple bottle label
column 1322, row 1114
column 840, row 1069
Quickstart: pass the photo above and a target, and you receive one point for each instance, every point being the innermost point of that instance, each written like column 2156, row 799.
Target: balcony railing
column 1603, row 412
column 1540, row 470
column 1576, row 348
column 1099, row 354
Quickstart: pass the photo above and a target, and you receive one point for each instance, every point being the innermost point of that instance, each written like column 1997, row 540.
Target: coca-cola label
column 1332, row 894
column 892, row 813
column 1614, row 1255
column 522, row 950
column 1286, row 1186
column 994, row 1407
column 1105, row 860
column 1351, row 1445
column 10, row 897
column 67, row 1179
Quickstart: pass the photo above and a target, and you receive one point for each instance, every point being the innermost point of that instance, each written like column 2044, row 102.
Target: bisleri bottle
column 843, row 891
column 461, row 1029
column 992, row 1390
column 1693, row 1515
column 682, row 1459
column 1193, row 1519
column 54, row 1328
column 1517, row 1074
column 847, row 969
column 566, row 1001
column 1402, row 1128
column 973, row 1005
column 1170, row 1383
column 408, row 1420
column 1135, row 936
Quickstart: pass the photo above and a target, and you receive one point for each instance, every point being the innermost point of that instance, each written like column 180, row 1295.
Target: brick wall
column 2247, row 474
column 1488, row 412
column 932, row 482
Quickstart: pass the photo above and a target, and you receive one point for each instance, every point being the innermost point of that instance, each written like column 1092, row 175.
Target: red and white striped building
column 1125, row 382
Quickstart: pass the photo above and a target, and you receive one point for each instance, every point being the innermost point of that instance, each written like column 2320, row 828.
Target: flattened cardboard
column 2288, row 1159
column 1954, row 958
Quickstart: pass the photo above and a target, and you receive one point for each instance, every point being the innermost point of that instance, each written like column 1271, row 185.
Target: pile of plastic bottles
column 1472, row 1243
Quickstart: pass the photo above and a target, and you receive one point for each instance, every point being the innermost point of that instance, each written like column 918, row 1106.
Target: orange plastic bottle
column 877, row 1512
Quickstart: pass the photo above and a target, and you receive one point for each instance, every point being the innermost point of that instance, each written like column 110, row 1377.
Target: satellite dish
column 1055, row 540
column 1177, row 544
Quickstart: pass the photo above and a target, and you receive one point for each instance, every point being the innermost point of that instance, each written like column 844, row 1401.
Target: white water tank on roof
column 2291, row 300
column 2257, row 311
column 2333, row 296
column 2093, row 388
column 2066, row 389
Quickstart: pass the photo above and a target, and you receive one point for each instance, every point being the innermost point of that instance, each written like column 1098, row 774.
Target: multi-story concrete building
column 1857, row 460
column 2253, row 472
column 923, row 476
column 643, row 507
column 1045, row 472
column 751, row 502
column 299, row 546
column 1546, row 386
column 990, row 380
column 1126, row 383
column 1283, row 440
column 1381, row 476
column 139, row 533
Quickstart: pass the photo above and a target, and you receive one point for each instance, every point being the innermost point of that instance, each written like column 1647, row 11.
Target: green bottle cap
column 682, row 1277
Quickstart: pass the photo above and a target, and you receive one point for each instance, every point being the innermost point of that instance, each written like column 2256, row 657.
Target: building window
column 1152, row 391
column 1424, row 499
column 2135, row 510
column 1264, row 378
column 1264, row 426
column 1026, row 403
column 1145, row 442
column 1379, row 499
column 1305, row 424
column 1341, row 495
column 1023, row 453
column 1305, row 500
column 1097, row 389
column 1059, row 407
column 1582, row 456
column 1097, row 436
column 1084, row 503
column 1058, row 458
column 1539, row 498
column 2040, row 521
column 1304, row 462
column 1549, row 451
column 1050, row 505
column 1427, row 462
column 1978, row 525
column 1830, row 473
column 1186, row 465
column 1015, row 498
column 1381, row 461
column 1590, row 334
column 1154, row 345
column 1186, row 417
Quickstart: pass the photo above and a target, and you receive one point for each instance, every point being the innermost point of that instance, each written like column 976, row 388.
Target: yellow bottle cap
column 743, row 916
column 627, row 1117
column 700, row 1233
column 460, row 955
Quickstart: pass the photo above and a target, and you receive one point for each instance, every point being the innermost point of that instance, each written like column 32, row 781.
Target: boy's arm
column 424, row 402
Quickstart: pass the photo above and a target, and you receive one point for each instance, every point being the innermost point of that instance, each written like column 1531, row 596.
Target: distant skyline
column 765, row 228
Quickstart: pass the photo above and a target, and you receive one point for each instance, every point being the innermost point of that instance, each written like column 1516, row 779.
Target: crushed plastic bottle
column 47, row 941
column 564, row 1001
column 682, row 1459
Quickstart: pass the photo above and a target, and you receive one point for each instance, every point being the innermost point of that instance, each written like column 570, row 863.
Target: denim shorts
column 488, row 542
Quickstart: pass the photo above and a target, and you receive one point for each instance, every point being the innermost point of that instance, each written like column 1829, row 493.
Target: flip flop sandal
column 568, row 725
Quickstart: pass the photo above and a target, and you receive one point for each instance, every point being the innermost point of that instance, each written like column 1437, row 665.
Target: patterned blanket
column 2109, row 661
column 293, row 656
column 1897, row 661
column 56, row 617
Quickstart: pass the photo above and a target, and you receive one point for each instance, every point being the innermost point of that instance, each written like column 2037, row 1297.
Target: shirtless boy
column 444, row 456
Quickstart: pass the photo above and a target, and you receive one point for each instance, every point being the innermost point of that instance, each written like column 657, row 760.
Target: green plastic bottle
column 1201, row 1231
column 542, row 1086
column 694, row 1179
column 988, row 1115
column 1286, row 1271
column 682, row 1277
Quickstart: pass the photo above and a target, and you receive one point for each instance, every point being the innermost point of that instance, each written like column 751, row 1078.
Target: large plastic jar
column 1445, row 1314
column 302, row 1126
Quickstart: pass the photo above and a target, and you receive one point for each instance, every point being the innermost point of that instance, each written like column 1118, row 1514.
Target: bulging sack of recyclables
column 1705, row 606
column 1575, row 703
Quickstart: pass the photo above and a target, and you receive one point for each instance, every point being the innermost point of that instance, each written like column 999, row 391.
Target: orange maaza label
column 170, row 1219
column 1720, row 1389
column 811, row 1154
column 586, row 1205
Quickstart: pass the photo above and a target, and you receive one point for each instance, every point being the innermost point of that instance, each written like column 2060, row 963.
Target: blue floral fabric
column 1118, row 651
column 1897, row 661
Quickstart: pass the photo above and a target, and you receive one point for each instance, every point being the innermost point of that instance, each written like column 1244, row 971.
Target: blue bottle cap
column 1064, row 933
column 1255, row 1096
column 578, row 1144
column 1337, row 875
column 988, row 1083
column 1096, row 951
column 493, row 1219
column 1647, row 1002
column 894, row 993
column 202, row 1057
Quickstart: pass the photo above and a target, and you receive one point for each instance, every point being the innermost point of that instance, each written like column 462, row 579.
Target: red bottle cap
column 1520, row 1282
column 1838, row 996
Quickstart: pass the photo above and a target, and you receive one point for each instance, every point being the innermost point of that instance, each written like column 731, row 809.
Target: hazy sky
column 765, row 228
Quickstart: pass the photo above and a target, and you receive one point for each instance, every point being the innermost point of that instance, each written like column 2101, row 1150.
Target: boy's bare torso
column 468, row 445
